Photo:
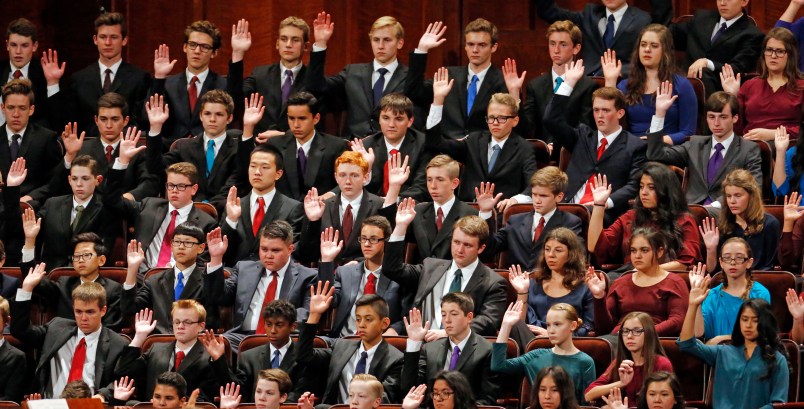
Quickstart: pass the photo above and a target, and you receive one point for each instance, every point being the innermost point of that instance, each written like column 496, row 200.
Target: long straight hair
column 768, row 340
column 638, row 77
column 754, row 213
column 651, row 347
column 564, row 383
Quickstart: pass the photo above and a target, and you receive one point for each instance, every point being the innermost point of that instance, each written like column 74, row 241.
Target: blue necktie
column 456, row 282
column 379, row 86
column 275, row 361
column 471, row 93
column 210, row 155
column 495, row 152
column 608, row 35
column 179, row 287
column 559, row 80
column 719, row 32
column 361, row 363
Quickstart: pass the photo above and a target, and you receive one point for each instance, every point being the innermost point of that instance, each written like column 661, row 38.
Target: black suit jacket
column 352, row 87
column 412, row 146
column 320, row 172
column 137, row 180
column 78, row 102
column 250, row 362
column 539, row 92
column 386, row 364
column 455, row 122
column 37, row 77
column 12, row 372
column 486, row 287
column 41, row 150
column 431, row 242
column 740, row 45
column 49, row 338
column 8, row 286
column 474, row 362
column 266, row 80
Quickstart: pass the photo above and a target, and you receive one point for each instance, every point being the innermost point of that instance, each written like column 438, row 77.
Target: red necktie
column 346, row 224
column 258, row 216
column 17, row 74
column 587, row 194
column 539, row 230
column 179, row 358
column 165, row 250
column 371, row 285
column 385, row 172
column 77, row 366
column 109, row 150
column 192, row 93
column 439, row 218
column 270, row 295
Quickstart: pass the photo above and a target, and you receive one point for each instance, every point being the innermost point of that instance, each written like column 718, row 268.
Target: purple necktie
column 302, row 163
column 286, row 86
column 453, row 362
column 714, row 163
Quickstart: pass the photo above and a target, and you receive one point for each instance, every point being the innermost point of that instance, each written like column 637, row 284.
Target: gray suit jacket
column 694, row 155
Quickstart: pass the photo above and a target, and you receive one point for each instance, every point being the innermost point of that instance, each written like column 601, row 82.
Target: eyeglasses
column 733, row 260
column 498, row 119
column 441, row 395
column 776, row 52
column 181, row 187
column 81, row 257
column 186, row 323
column 185, row 244
column 632, row 331
column 204, row 47
column 370, row 240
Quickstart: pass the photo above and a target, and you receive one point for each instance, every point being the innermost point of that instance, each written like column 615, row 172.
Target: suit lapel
column 161, row 212
column 362, row 213
column 482, row 149
column 433, row 278
column 428, row 223
column 291, row 175
column 446, row 226
column 365, row 79
column 61, row 337
column 199, row 156
column 226, row 146
column 27, row 140
column 166, row 284
column 616, row 146
column 468, row 350
column 626, row 22
column 461, row 85
column 339, row 362
column 5, row 72
column 379, row 358
column 706, row 148
column 524, row 227
column 182, row 97
column 317, row 149
column 477, row 278
column 193, row 287
column 734, row 149
column 288, row 361
column 89, row 214
column 273, row 99
column 100, row 354
column 492, row 75
column 395, row 80
column 509, row 150
column 291, row 274
column 195, row 354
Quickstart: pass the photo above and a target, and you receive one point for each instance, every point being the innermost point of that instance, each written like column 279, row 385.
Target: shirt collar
column 461, row 344
column 728, row 22
column 218, row 139
column 2, row 341
column 283, row 349
column 480, row 75
column 183, row 211
column 268, row 197
column 618, row 14
column 10, row 133
column 306, row 146
column 391, row 66
column 113, row 145
column 370, row 351
column 185, row 350
column 446, row 207
column 610, row 139
column 375, row 272
column 23, row 70
column 281, row 271
column 468, row 270
column 114, row 67
column 354, row 203
column 91, row 337
column 186, row 273
column 501, row 143
column 726, row 142
column 77, row 203
column 202, row 76
column 546, row 216
column 295, row 70
column 388, row 145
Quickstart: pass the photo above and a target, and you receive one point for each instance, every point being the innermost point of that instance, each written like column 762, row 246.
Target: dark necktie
column 361, row 363
column 179, row 287
column 286, row 86
column 17, row 74
column 302, row 162
column 608, row 35
column 77, row 365
column 720, row 31
column 270, row 295
column 79, row 210
column 456, row 354
column 379, row 86
column 471, row 93
column 107, row 81
column 347, row 223
column 179, row 358
column 539, row 230
column 714, row 163
column 165, row 249
column 439, row 218
column 275, row 361
column 192, row 93
column 385, row 172
column 456, row 282
column 109, row 151
column 14, row 147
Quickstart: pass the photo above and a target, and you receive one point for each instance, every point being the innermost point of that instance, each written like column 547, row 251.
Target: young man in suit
column 69, row 349
column 353, row 281
column 213, row 153
column 12, row 361
column 246, row 215
column 255, row 283
column 21, row 139
column 8, row 284
column 202, row 40
column 613, row 25
column 350, row 207
column 21, row 44
column 523, row 236
column 708, row 159
column 170, row 391
column 359, row 87
column 185, row 280
column 185, row 355
column 369, row 354
column 609, row 150
column 78, row 101
column 435, row 278
column 465, row 109
column 496, row 154
column 432, row 226
column 713, row 38
column 463, row 350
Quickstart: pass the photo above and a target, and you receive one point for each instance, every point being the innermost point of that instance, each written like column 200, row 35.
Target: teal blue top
column 720, row 309
column 580, row 367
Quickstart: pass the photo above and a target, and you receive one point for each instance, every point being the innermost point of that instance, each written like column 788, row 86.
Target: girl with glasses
column 451, row 390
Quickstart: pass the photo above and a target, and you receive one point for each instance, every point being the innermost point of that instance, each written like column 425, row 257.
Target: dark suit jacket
column 431, row 242
column 78, row 102
column 41, row 150
column 386, row 364
column 511, row 174
column 740, row 45
column 250, row 362
column 138, row 180
column 694, row 155
column 49, row 338
column 243, row 245
column 352, row 87
column 539, row 92
column 267, row 81
column 588, row 20
column 310, row 243
column 621, row 162
column 347, row 284
column 157, row 294
column 37, row 77
column 516, row 237
column 239, row 288
column 8, row 286
column 320, row 171
column 12, row 372
column 418, row 157
column 455, row 122
column 486, row 287
column 474, row 362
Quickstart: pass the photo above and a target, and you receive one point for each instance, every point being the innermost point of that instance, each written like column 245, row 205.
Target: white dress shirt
column 391, row 67
column 60, row 364
column 349, row 369
column 618, row 17
column 202, row 76
column 152, row 256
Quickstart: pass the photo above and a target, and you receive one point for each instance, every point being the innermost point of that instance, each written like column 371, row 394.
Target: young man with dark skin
column 21, row 44
column 12, row 361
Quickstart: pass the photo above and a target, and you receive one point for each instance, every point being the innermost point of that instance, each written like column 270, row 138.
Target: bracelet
column 522, row 293
column 598, row 205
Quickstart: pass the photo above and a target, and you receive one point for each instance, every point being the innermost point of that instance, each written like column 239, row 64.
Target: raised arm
column 781, row 141
column 698, row 294
column 601, row 191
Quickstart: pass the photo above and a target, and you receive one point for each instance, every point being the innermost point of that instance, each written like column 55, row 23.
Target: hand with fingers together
column 357, row 146
column 330, row 245
column 415, row 327
column 513, row 82
column 601, row 191
column 16, row 173
column 612, row 67
column 157, row 111
column 51, row 68
column 129, row 145
column 124, row 389
column 34, row 277
column 664, row 98
column 323, row 28
column 484, row 194
column 320, row 299
column 442, row 85
column 314, row 205
column 241, row 40
column 253, row 113
column 729, row 81
column 596, row 283
column 573, row 72
column 163, row 65
column 72, row 141
column 415, row 397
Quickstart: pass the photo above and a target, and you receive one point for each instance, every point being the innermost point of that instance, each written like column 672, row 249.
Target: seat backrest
column 509, row 289
column 700, row 96
column 777, row 283
column 541, row 152
column 161, row 338
column 777, row 211
column 691, row 370
column 117, row 274
column 564, row 159
column 202, row 405
column 681, row 174
column 509, row 394
column 254, row 341
column 766, row 154
column 8, row 404
column 794, row 359
column 581, row 212
column 154, row 271
column 206, row 208
column 397, row 341
column 12, row 272
column 515, row 209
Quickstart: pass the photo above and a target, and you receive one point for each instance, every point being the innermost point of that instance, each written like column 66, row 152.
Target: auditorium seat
column 794, row 359
column 12, row 272
column 397, row 341
column 690, row 370
column 8, row 404
column 509, row 289
column 509, row 385
column 564, row 159
column 777, row 283
column 117, row 274
column 206, row 208
column 541, row 152
column 700, row 96
column 152, row 339
column 254, row 341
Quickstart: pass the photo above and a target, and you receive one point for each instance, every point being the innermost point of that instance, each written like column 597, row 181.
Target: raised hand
column 124, row 389
column 792, row 207
column 415, row 328
column 484, row 195
column 406, row 212
column 313, row 205
column 215, row 347
column 130, row 145
column 144, row 323
column 71, row 140
column 612, row 67
column 321, row 297
column 513, row 82
column 729, row 81
column 513, row 314
column 306, row 401
column 134, row 254
column 233, row 209
column 781, row 140
column 30, row 224
column 330, row 245
column 699, row 285
column 519, row 279
column 432, row 37
column 596, row 283
column 442, row 85
column 601, row 190
column 50, row 66
column 415, row 397
column 357, row 146
column 615, row 399
column 217, row 244
column 254, row 110
column 163, row 65
column 664, row 98
column 573, row 72
column 398, row 170
column 323, row 27
column 230, row 396
column 709, row 233
column 697, row 274
column 626, row 371
column 157, row 111
column 16, row 173
column 34, row 277
column 241, row 39
column 795, row 304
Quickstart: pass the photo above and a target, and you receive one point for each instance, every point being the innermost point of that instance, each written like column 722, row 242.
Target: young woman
column 562, row 321
column 661, row 205
column 553, row 389
column 776, row 96
column 752, row 372
column 559, row 278
column 742, row 215
column 639, row 354
column 650, row 289
column 451, row 390
column 788, row 168
column 719, row 310
column 653, row 63
column 661, row 390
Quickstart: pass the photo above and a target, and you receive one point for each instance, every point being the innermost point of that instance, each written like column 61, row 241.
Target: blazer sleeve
column 14, row 364
column 687, row 110
column 307, row 354
column 114, row 197
column 406, row 275
column 437, row 142
column 489, row 315
column 417, row 88
column 621, row 196
column 675, row 155
column 131, row 363
column 414, row 370
column 390, row 385
column 21, row 327
column 550, row 12
column 555, row 121
column 745, row 56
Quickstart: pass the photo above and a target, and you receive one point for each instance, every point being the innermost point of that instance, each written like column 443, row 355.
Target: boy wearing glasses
column 185, row 280
column 185, row 356
column 356, row 280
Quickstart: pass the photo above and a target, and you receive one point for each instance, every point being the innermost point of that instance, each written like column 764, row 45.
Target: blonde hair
column 570, row 313
column 190, row 305
column 550, row 177
column 566, row 26
column 5, row 311
column 388, row 21
column 90, row 291
column 506, row 99
column 473, row 226
column 293, row 21
column 373, row 383
column 444, row 161
column 754, row 213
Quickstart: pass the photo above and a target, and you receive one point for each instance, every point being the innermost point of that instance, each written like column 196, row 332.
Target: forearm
column 779, row 174
column 790, row 13
column 699, row 322
column 674, row 265
column 595, row 227
column 798, row 331
column 688, row 328
column 503, row 335
column 711, row 259
column 602, row 390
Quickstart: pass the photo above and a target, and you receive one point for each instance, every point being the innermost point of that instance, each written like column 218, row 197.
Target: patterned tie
column 717, row 34
column 177, row 361
column 471, row 93
column 371, row 285
column 275, row 361
column 379, row 86
column 346, row 224
column 192, row 93
column 587, row 194
column 210, row 156
column 439, row 218
column 608, row 35
column 495, row 153
column 714, row 163
column 79, row 210
column 539, row 230
column 559, row 80
column 164, row 249
column 179, row 287
column 286, row 86
column 270, row 295
column 109, row 152
column 17, row 74
column 259, row 215
column 456, row 282
column 14, row 147
column 361, row 363
column 456, row 354
column 107, row 81
column 385, row 172
column 77, row 365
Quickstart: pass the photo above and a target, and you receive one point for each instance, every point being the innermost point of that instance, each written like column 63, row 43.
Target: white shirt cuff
column 152, row 133
column 23, row 295
column 127, row 287
column 395, row 238
column 520, row 198
column 715, row 204
column 67, row 165
column 317, row 48
column 609, row 203
column 434, row 118
column 710, row 64
column 418, row 51
column 27, row 255
column 210, row 267
column 52, row 90
column 656, row 124
column 413, row 346
column 564, row 89
column 485, row 215
column 231, row 223
column 119, row 166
